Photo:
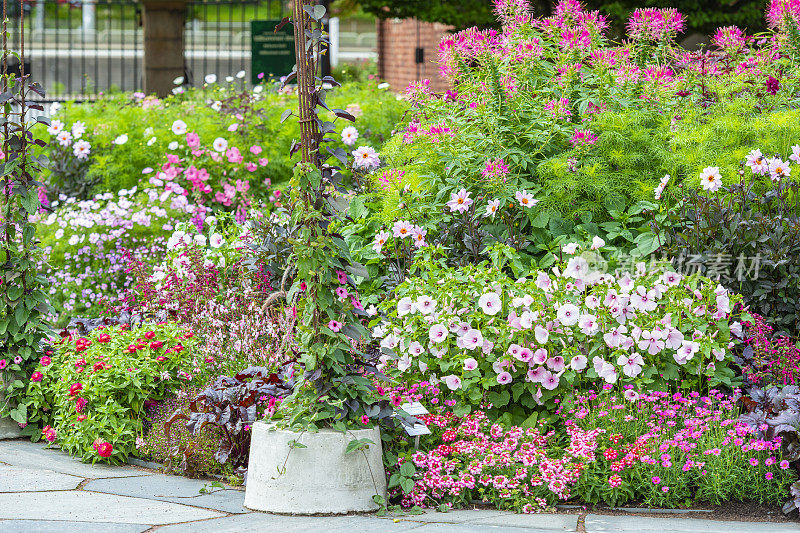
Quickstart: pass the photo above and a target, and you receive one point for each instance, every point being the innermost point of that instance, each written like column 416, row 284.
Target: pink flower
column 335, row 326
column 366, row 158
column 192, row 140
column 656, row 480
column 364, row 419
column 460, row 201
column 784, row 464
column 470, row 364
column 44, row 361
column 768, row 475
column 665, row 489
column 37, row 376
column 504, row 378
column 255, row 150
column 263, row 161
column 341, row 292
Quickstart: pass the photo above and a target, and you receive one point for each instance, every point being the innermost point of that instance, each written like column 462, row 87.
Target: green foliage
column 23, row 302
column 208, row 111
column 96, row 387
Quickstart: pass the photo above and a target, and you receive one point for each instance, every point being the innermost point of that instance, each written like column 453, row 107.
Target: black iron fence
column 78, row 49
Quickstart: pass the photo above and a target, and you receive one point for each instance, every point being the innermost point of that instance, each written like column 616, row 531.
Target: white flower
column 200, row 240
column 470, row 364
column 349, row 135
column 178, row 81
column 492, row 207
column 404, row 363
column 405, row 306
column 795, row 154
column 437, row 333
column 542, row 334
column 757, row 162
column 122, row 139
column 577, row 268
column 241, row 74
column 383, row 86
column 211, row 78
column 778, row 169
column 490, row 303
column 81, row 149
column 380, row 240
column 425, row 304
column 78, row 129
column 217, row 240
column 173, row 145
column 711, row 179
column 588, row 324
column 597, row 243
column 55, row 127
column 151, row 141
column 415, row 348
column 179, row 127
column 453, row 382
column 229, row 78
column 631, row 364
column 365, row 157
column 220, row 144
column 525, row 199
column 570, row 248
column 472, row 339
column 578, row 363
column 568, row 314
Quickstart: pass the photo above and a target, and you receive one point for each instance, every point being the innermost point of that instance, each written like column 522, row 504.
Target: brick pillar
column 399, row 42
column 163, row 22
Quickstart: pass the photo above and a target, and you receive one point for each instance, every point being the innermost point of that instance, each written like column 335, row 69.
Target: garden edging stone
column 320, row 478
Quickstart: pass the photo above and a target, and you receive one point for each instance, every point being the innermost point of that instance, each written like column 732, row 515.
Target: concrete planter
column 8, row 428
column 320, row 478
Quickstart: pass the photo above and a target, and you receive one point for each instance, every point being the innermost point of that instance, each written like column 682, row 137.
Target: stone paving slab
column 19, row 479
column 619, row 524
column 261, row 522
column 24, row 453
column 482, row 517
column 54, row 526
column 85, row 506
column 173, row 489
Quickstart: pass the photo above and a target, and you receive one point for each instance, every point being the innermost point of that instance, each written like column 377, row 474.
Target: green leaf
column 407, row 469
column 407, row 485
column 499, row 399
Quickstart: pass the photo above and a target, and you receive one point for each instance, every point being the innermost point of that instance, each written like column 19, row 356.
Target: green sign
column 271, row 52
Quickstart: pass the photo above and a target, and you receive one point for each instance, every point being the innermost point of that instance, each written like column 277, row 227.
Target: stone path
column 45, row 491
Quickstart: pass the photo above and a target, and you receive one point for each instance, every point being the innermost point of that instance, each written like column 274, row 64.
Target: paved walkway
column 44, row 490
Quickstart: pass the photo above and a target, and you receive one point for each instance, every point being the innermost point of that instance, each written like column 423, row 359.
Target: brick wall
column 397, row 44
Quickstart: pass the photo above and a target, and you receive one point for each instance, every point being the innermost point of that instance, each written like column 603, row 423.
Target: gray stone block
column 82, row 506
column 22, row 479
column 261, row 522
column 645, row 524
column 52, row 526
column 174, row 489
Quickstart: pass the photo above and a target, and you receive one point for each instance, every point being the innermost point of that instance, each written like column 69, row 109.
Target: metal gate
column 80, row 49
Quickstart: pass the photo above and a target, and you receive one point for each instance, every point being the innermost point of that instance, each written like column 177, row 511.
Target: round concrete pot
column 9, row 429
column 319, row 478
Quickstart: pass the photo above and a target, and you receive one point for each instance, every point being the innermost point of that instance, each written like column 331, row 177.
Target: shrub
column 92, row 391
column 520, row 344
column 768, row 359
column 747, row 233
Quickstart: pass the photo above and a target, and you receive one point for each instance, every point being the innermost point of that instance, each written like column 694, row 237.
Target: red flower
column 37, row 376
column 177, row 348
column 150, row 335
column 80, row 403
column 131, row 349
column 189, row 335
column 44, row 361
column 104, row 338
column 156, row 345
column 98, row 366
column 81, row 418
column 104, row 449
column 49, row 434
column 82, row 344
column 161, row 358
column 75, row 388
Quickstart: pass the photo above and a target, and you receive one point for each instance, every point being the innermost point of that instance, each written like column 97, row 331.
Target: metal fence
column 78, row 49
